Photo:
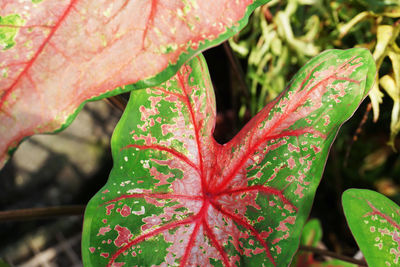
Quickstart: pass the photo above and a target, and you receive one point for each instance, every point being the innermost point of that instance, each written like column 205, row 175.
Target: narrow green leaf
column 310, row 236
column 374, row 221
column 312, row 233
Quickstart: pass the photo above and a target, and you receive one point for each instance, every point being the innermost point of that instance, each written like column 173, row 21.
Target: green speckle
column 36, row 1
column 4, row 72
column 107, row 12
column 187, row 7
column 168, row 48
column 28, row 44
column 7, row 34
column 13, row 96
column 181, row 209
column 103, row 40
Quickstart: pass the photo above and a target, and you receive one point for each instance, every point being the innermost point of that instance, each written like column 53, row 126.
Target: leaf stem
column 237, row 68
column 332, row 254
column 357, row 133
column 117, row 102
column 41, row 213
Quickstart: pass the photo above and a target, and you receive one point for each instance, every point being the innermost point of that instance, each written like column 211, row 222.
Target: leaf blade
column 82, row 50
column 375, row 224
column 207, row 203
column 297, row 138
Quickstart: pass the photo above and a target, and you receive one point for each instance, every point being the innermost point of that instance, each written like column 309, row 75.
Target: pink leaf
column 62, row 53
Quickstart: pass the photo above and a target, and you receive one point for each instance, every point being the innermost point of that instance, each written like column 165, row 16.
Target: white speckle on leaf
column 136, row 190
column 139, row 212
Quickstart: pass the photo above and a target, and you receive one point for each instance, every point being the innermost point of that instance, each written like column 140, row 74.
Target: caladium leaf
column 374, row 221
column 177, row 197
column 56, row 54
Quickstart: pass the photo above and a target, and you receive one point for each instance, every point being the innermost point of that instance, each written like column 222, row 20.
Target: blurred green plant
column 311, row 237
column 282, row 35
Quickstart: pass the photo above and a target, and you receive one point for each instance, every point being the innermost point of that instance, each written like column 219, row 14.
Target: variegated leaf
column 374, row 221
column 177, row 197
column 56, row 54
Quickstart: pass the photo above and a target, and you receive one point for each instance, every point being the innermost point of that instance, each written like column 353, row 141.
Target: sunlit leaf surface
column 175, row 197
column 55, row 54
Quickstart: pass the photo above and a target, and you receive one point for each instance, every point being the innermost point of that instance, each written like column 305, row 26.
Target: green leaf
column 312, row 233
column 310, row 236
column 177, row 197
column 374, row 221
column 55, row 55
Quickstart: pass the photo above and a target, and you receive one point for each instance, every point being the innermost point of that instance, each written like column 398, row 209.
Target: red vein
column 249, row 227
column 215, row 242
column 375, row 211
column 180, row 96
column 296, row 132
column 153, row 7
column 36, row 55
column 252, row 149
column 54, row 46
column 190, row 244
column 166, row 149
column 29, row 77
column 201, row 214
column 196, row 130
column 285, row 133
column 346, row 79
column 259, row 188
column 150, row 234
column 306, row 79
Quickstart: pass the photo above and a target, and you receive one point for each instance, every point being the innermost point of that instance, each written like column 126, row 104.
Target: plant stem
column 357, row 133
column 331, row 254
column 237, row 68
column 41, row 213
column 117, row 101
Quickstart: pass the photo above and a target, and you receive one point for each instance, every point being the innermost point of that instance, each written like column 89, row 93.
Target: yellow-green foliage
column 282, row 35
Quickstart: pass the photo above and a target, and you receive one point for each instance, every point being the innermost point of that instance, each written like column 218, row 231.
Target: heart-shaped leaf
column 56, row 54
column 374, row 221
column 177, row 197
